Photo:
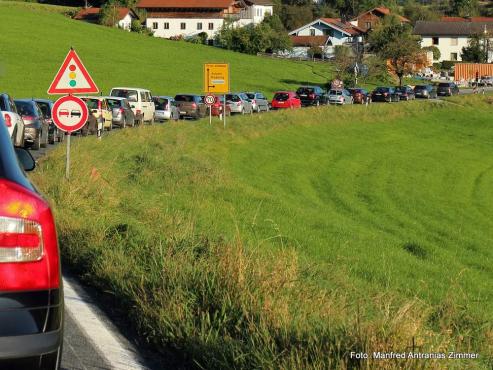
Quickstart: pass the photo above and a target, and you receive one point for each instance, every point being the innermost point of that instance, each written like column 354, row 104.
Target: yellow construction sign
column 216, row 78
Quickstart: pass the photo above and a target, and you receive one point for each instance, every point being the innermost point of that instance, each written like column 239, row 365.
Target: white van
column 140, row 101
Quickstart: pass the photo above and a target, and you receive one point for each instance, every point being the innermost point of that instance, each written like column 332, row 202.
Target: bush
column 315, row 52
column 448, row 64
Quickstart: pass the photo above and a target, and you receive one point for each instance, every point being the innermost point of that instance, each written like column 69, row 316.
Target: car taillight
column 238, row 104
column 28, row 118
column 311, row 96
column 385, row 94
column 8, row 120
column 194, row 105
column 138, row 111
column 122, row 110
column 341, row 98
column 29, row 257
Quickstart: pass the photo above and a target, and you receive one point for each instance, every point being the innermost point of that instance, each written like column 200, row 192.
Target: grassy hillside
column 34, row 40
column 292, row 238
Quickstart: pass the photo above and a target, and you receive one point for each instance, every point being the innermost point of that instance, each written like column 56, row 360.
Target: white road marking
column 83, row 310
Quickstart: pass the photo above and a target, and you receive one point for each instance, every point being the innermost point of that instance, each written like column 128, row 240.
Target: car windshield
column 130, row 95
column 244, row 96
column 305, row 90
column 45, row 108
column 420, row 87
column 444, row 84
column 382, row 89
column 250, row 96
column 281, row 96
column 184, row 98
column 335, row 92
column 160, row 103
column 233, row 98
column 3, row 106
column 401, row 89
column 115, row 103
column 356, row 91
column 92, row 103
column 25, row 108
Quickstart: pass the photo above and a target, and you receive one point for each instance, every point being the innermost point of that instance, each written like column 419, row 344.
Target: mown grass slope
column 292, row 238
column 34, row 40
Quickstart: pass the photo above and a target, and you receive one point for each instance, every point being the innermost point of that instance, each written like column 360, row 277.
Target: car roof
column 96, row 97
column 163, row 96
column 130, row 88
column 43, row 100
column 25, row 101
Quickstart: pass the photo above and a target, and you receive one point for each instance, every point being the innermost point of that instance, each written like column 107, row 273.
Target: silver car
column 340, row 97
column 166, row 108
column 239, row 103
column 259, row 102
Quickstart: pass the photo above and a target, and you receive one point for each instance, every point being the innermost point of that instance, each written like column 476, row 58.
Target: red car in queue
column 286, row 99
column 218, row 106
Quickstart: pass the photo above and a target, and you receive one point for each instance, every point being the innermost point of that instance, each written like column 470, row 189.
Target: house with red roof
column 123, row 20
column 369, row 19
column 324, row 33
column 188, row 18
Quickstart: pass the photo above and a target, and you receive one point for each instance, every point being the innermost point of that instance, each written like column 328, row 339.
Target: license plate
column 183, row 112
column 303, row 95
column 378, row 94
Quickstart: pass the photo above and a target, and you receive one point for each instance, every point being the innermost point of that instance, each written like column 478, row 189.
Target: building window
column 183, row 26
column 368, row 25
column 154, row 25
column 453, row 56
column 199, row 26
column 454, row 41
column 312, row 32
column 211, row 26
column 166, row 26
column 435, row 40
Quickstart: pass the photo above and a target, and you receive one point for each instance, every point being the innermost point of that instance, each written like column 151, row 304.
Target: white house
column 325, row 33
column 188, row 18
column 451, row 36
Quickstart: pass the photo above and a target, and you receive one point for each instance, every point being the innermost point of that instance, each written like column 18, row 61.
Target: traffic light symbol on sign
column 72, row 75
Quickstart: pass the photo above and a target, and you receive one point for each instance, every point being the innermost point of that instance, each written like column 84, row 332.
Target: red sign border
column 61, row 126
column 215, row 99
column 86, row 90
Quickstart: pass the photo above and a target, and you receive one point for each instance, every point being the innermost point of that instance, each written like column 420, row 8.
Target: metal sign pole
column 210, row 115
column 67, row 163
column 224, row 111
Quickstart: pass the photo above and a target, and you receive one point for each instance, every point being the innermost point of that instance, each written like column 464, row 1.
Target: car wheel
column 37, row 142
column 124, row 124
column 242, row 111
column 258, row 109
column 111, row 126
column 43, row 139
column 317, row 103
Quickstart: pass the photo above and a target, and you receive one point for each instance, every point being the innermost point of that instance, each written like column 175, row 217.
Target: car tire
column 124, row 124
column 37, row 142
column 43, row 140
column 242, row 111
column 258, row 109
column 317, row 103
column 111, row 126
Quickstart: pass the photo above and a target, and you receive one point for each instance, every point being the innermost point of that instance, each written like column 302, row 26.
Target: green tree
column 417, row 12
column 395, row 42
column 464, row 8
column 436, row 51
column 108, row 15
column 478, row 48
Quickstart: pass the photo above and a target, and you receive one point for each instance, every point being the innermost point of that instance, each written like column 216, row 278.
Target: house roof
column 471, row 19
column 207, row 15
column 260, row 2
column 93, row 13
column 335, row 23
column 215, row 4
column 309, row 40
column 383, row 11
column 437, row 28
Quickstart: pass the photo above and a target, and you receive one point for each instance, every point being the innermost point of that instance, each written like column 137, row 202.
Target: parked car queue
column 30, row 123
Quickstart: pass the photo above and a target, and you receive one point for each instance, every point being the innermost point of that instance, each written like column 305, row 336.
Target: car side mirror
column 26, row 159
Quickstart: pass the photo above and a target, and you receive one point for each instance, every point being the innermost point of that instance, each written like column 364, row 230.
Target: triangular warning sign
column 72, row 78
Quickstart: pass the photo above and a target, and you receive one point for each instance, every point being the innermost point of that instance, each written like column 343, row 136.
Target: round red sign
column 70, row 113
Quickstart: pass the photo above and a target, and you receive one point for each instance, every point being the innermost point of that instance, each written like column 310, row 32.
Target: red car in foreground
column 31, row 292
column 286, row 99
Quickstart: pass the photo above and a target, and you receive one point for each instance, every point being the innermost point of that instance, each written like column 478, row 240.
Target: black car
column 36, row 126
column 311, row 95
column 447, row 89
column 405, row 93
column 31, row 292
column 54, row 134
column 384, row 94
column 425, row 92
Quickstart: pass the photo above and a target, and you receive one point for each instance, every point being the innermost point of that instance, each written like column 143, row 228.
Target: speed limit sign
column 210, row 99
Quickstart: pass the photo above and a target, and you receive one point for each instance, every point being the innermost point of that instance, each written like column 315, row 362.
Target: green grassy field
column 292, row 238
column 35, row 39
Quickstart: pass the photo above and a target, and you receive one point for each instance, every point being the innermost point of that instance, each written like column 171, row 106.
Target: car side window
column 142, row 96
column 148, row 96
column 12, row 105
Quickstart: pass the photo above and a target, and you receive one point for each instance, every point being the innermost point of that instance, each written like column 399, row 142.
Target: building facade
column 451, row 36
column 368, row 20
column 188, row 18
